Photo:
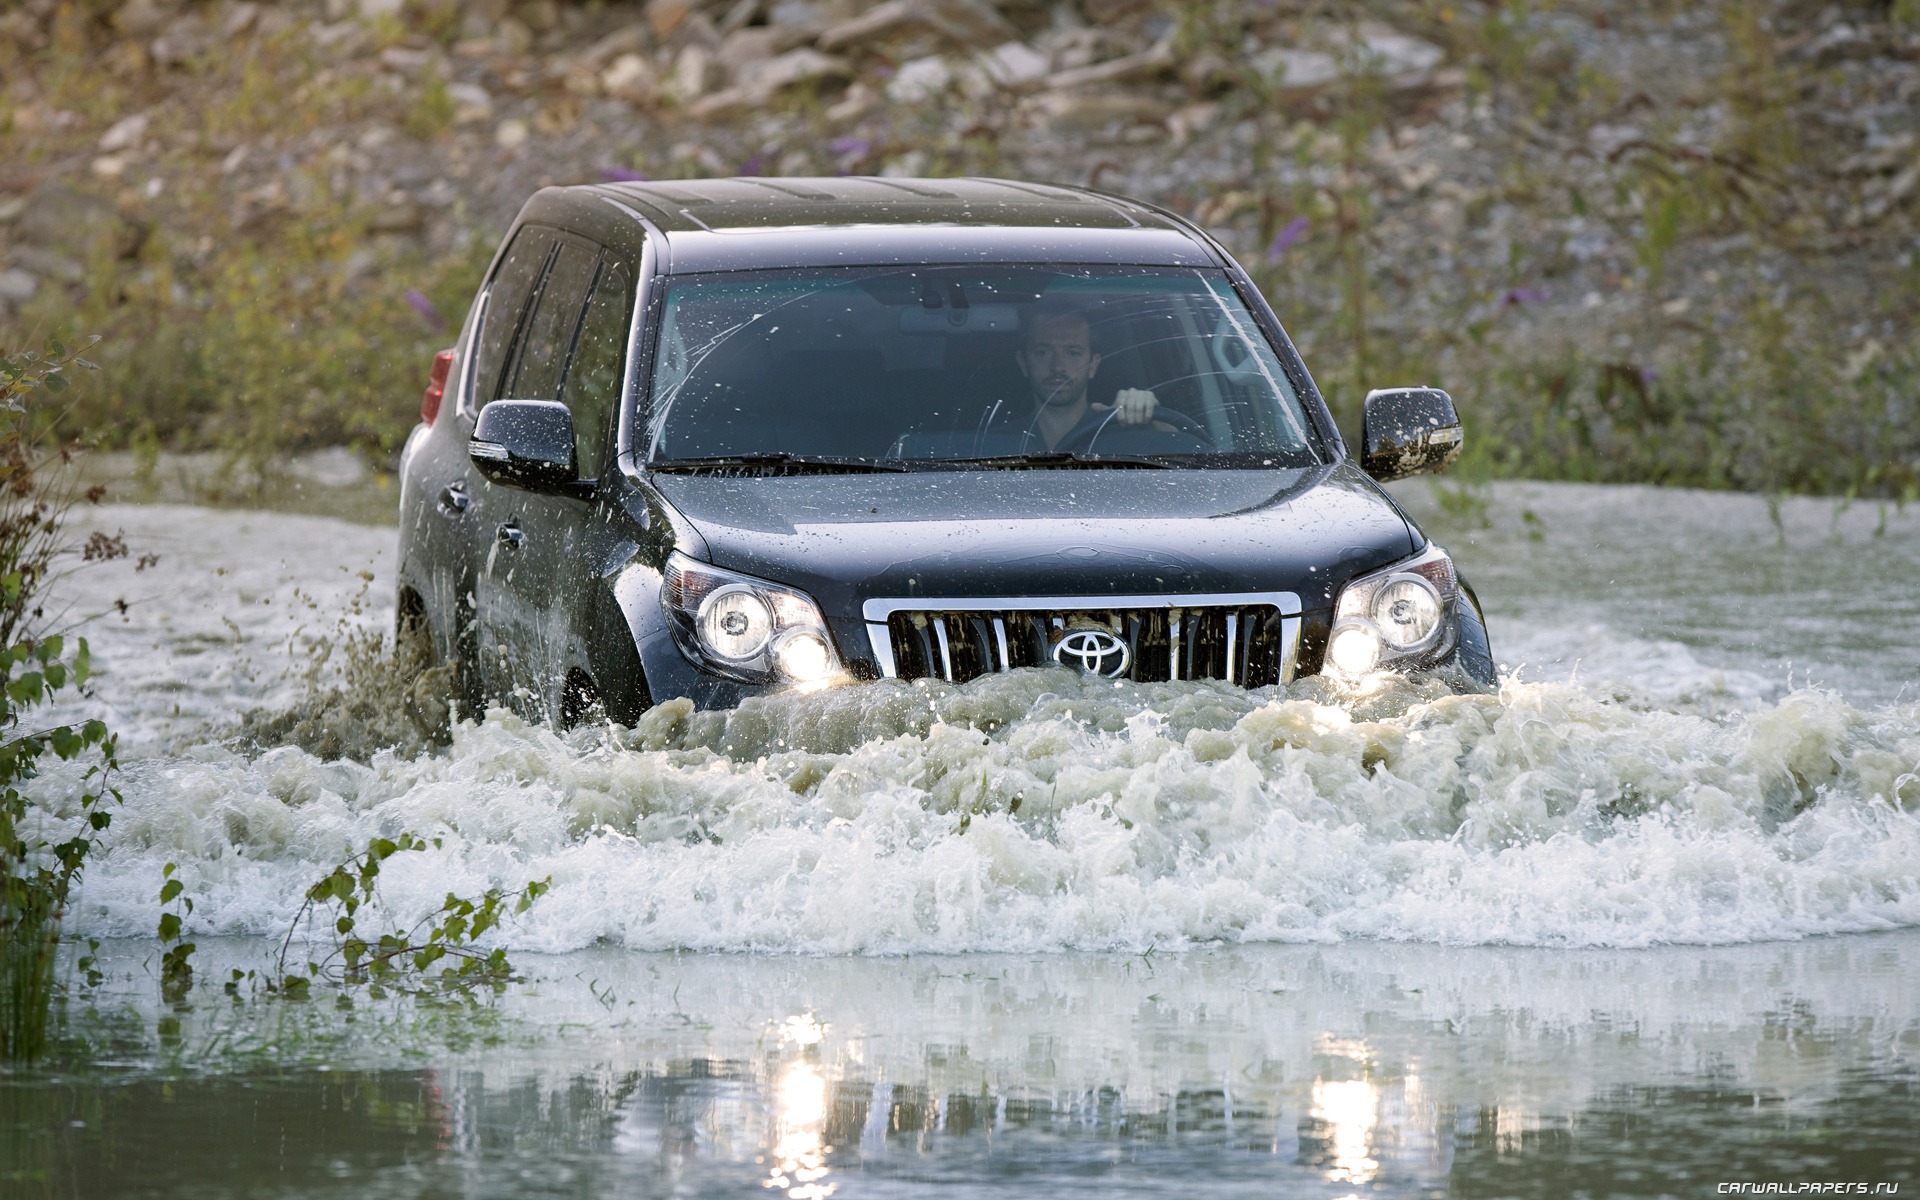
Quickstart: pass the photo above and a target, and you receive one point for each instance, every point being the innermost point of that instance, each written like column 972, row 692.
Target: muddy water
column 1642, row 924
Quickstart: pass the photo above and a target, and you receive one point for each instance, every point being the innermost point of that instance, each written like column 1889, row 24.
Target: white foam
column 884, row 819
column 1630, row 792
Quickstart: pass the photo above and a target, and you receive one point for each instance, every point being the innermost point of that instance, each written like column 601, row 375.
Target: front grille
column 1247, row 639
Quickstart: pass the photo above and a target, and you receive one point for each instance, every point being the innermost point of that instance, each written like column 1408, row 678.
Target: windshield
column 949, row 365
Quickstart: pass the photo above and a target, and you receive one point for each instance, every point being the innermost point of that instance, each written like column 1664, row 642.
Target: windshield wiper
column 775, row 462
column 1050, row 458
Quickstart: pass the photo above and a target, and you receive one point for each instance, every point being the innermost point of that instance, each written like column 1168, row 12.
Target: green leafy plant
column 41, row 855
column 40, row 868
column 176, row 961
column 403, row 959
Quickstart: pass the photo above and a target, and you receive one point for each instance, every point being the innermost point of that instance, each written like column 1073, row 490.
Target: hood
column 847, row 538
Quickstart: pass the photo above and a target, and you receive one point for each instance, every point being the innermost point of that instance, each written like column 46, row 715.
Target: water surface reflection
column 1360, row 1069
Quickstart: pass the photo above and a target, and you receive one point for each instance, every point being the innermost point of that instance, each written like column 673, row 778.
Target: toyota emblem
column 1094, row 651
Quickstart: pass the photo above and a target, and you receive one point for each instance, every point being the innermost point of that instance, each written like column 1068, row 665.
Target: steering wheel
column 1181, row 422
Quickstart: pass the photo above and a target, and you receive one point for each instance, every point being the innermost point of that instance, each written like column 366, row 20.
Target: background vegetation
column 1668, row 242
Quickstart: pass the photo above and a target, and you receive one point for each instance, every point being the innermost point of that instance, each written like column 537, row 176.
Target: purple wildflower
column 755, row 164
column 1524, row 295
column 1647, row 376
column 852, row 147
column 417, row 300
column 621, row 175
column 1294, row 231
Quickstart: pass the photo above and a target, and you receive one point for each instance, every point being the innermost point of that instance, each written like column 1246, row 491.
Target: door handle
column 509, row 535
column 454, row 500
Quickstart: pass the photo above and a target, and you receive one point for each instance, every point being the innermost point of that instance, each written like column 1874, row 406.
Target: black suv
column 721, row 437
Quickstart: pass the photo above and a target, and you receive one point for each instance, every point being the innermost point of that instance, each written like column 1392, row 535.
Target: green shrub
column 403, row 958
column 40, row 859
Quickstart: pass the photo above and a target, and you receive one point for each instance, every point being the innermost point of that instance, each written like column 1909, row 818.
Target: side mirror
column 1408, row 431
column 525, row 443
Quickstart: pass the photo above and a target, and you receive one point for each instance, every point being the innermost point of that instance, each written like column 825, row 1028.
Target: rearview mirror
column 525, row 443
column 1408, row 431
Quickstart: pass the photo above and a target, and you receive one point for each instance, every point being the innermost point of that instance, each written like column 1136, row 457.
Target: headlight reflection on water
column 1347, row 1113
column 1350, row 1108
column 799, row 1165
column 799, row 1150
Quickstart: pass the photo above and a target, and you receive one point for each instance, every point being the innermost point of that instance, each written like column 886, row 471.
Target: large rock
column 124, row 134
column 1016, row 65
column 144, row 19
column 919, row 80
column 968, row 22
column 472, row 103
column 628, row 39
column 61, row 221
column 1089, row 111
column 1152, row 61
column 1398, row 59
column 768, row 79
column 665, row 16
column 22, row 30
column 743, row 49
column 1403, row 60
column 795, row 67
column 1290, row 68
column 695, row 73
column 17, row 286
column 396, row 213
column 631, row 78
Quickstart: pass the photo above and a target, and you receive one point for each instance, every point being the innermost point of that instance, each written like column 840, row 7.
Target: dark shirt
column 1013, row 427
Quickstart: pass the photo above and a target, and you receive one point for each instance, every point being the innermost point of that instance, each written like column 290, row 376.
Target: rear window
column 951, row 364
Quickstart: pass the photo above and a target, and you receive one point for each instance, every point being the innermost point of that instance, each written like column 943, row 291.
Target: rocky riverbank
column 1672, row 242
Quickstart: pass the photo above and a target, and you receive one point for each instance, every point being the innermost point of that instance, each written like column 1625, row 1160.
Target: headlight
column 734, row 623
column 746, row 628
column 1402, row 617
column 804, row 656
column 1407, row 612
column 1355, row 650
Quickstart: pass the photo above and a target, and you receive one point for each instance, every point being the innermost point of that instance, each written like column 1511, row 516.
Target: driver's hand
column 1134, row 406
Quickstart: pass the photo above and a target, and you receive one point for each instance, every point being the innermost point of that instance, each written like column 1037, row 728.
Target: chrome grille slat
column 1250, row 639
column 946, row 651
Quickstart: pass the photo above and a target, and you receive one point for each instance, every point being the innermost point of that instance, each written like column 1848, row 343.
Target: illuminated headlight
column 804, row 657
column 1401, row 618
column 746, row 628
column 1355, row 650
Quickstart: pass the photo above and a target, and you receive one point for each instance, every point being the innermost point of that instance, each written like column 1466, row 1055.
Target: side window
column 506, row 302
column 598, row 367
column 534, row 372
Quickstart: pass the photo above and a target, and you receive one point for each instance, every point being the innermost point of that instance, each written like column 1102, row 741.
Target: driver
column 1058, row 361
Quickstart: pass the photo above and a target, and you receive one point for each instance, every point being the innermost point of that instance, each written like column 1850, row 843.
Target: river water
column 1645, row 923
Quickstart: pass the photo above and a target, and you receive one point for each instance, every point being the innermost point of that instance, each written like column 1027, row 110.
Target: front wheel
column 430, row 689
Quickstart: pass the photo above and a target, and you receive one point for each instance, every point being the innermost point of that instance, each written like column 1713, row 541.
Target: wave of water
column 1040, row 811
column 1630, row 791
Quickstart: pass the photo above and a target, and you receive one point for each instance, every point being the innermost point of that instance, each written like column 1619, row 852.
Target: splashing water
column 1033, row 811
